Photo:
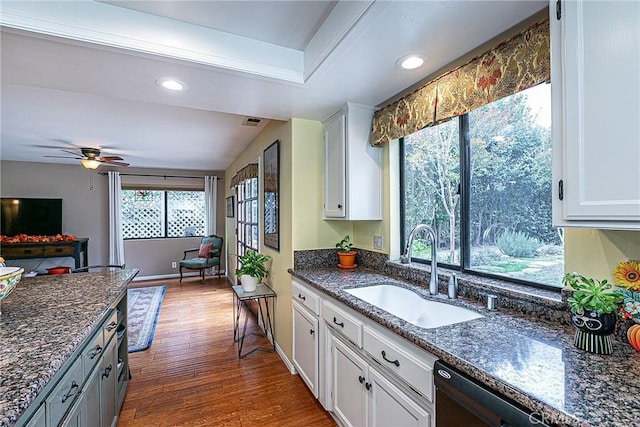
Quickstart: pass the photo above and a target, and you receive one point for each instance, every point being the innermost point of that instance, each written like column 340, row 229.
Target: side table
column 263, row 295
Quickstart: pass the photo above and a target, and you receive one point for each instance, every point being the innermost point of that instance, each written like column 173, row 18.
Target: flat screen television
column 30, row 216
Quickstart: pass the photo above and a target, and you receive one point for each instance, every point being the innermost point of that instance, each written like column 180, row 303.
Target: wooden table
column 77, row 249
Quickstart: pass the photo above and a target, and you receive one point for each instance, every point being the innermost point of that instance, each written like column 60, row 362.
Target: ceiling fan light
column 90, row 163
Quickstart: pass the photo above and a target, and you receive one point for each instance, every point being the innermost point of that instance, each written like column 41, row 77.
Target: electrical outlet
column 377, row 242
column 174, row 264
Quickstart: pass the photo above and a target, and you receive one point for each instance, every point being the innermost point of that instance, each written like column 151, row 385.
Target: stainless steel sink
column 411, row 307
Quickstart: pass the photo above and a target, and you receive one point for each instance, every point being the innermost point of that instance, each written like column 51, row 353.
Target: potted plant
column 593, row 306
column 252, row 270
column 346, row 253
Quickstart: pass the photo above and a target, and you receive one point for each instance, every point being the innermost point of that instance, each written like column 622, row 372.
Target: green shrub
column 517, row 244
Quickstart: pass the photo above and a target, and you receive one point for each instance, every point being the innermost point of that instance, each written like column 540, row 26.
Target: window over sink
column 483, row 181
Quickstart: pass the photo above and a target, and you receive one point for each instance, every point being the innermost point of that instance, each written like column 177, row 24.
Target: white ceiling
column 82, row 73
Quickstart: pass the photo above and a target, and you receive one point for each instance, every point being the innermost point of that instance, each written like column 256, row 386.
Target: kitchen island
column 532, row 362
column 46, row 324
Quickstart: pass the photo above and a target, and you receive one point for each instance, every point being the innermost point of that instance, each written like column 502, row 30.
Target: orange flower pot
column 347, row 259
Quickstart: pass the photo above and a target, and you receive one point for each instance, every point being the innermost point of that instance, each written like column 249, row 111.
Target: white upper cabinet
column 352, row 167
column 595, row 57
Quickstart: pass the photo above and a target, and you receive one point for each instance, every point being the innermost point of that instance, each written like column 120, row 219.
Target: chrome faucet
column 433, row 280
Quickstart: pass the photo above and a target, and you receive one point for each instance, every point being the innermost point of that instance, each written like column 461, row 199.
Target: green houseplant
column 346, row 253
column 252, row 269
column 593, row 306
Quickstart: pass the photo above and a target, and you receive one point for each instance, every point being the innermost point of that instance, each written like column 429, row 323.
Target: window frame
column 241, row 221
column 464, row 140
column 165, row 201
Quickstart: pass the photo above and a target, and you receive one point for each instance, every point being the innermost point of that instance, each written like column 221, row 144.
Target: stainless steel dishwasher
column 462, row 402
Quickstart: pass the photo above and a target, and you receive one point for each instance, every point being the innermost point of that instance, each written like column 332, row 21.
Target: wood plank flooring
column 191, row 374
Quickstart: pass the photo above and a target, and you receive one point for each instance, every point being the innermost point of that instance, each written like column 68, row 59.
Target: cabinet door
column 596, row 68
column 348, row 385
column 390, row 407
column 108, row 376
column 335, row 167
column 305, row 346
column 91, row 396
column 38, row 419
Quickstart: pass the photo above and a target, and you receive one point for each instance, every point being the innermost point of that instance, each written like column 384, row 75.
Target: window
column 150, row 214
column 247, row 222
column 483, row 182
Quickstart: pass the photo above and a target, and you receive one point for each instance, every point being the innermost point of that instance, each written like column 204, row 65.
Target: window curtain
column 210, row 204
column 116, row 243
column 512, row 66
column 247, row 172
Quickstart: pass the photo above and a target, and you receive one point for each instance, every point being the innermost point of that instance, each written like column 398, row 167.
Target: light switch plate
column 377, row 242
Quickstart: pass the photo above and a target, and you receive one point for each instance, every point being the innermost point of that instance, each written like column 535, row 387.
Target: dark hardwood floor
column 191, row 374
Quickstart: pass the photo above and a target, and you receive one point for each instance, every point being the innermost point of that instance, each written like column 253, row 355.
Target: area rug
column 143, row 309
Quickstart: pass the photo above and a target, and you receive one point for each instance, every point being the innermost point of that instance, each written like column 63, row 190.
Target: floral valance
column 247, row 172
column 514, row 65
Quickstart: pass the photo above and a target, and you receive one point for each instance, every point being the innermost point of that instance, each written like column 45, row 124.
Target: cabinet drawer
column 411, row 368
column 91, row 353
column 22, row 251
column 304, row 297
column 109, row 327
column 61, row 250
column 64, row 394
column 342, row 322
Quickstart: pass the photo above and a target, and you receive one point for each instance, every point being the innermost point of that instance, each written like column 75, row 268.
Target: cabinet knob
column 111, row 326
column 107, row 371
column 339, row 206
column 302, row 297
column 361, row 379
column 95, row 351
column 341, row 324
column 73, row 390
column 368, row 386
column 311, row 331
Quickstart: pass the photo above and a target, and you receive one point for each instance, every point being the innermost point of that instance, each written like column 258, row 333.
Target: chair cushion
column 197, row 263
column 205, row 248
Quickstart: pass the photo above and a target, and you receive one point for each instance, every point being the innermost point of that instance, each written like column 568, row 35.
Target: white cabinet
column 352, row 167
column 364, row 374
column 305, row 346
column 362, row 396
column 595, row 46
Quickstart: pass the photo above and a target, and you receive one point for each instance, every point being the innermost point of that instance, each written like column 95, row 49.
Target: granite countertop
column 44, row 320
column 530, row 361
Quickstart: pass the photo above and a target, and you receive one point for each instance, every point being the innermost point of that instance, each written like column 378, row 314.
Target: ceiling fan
column 90, row 158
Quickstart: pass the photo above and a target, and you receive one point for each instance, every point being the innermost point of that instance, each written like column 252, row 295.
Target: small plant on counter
column 593, row 306
column 346, row 253
column 345, row 245
column 590, row 295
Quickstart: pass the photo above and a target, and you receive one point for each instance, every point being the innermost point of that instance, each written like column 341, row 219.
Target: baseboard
column 174, row 276
column 286, row 360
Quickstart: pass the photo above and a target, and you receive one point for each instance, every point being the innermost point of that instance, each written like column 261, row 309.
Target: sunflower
column 627, row 274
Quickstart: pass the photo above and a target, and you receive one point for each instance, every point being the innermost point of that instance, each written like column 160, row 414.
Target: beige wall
column 595, row 253
column 85, row 206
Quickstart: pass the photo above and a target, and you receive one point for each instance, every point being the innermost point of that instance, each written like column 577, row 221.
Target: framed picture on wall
column 230, row 207
column 271, row 171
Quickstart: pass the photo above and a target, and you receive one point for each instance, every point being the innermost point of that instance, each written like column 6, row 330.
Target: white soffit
column 113, row 26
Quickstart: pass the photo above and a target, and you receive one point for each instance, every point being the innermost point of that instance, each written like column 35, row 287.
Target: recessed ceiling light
column 172, row 84
column 411, row 62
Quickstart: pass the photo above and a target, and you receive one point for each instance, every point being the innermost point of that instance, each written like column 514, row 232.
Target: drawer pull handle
column 107, row 371
column 111, row 326
column 311, row 331
column 395, row 362
column 368, row 386
column 95, row 351
column 302, row 297
column 361, row 379
column 341, row 324
column 73, row 390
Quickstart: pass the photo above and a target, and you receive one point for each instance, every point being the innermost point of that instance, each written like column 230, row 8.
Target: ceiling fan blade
column 109, row 162
column 63, row 157
column 71, row 152
column 110, row 158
